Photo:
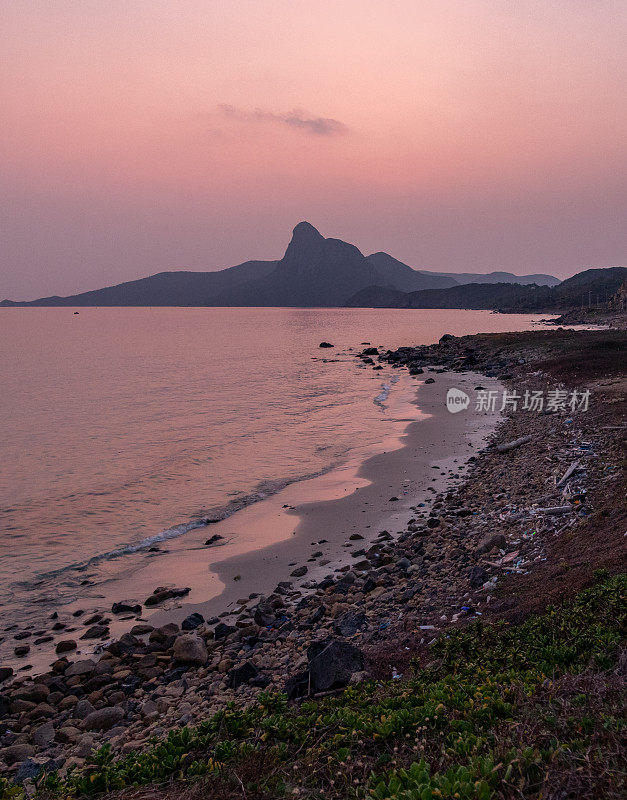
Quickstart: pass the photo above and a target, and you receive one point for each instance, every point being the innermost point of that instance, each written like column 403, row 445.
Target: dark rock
column 222, row 630
column 33, row 693
column 478, row 576
column 65, row 646
column 213, row 539
column 433, row 522
column 446, row 338
column 370, row 351
column 264, row 615
column 325, row 344
column 103, row 719
column 16, row 753
column 96, row 632
column 192, row 622
column 5, row 672
column 350, row 623
column 333, row 667
column 297, row 686
column 490, row 542
column 22, row 650
column 241, row 675
column 430, row 380
column 299, row 572
column 126, row 607
column 368, row 586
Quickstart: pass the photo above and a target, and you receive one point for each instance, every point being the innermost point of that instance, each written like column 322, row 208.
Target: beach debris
column 570, row 471
column 507, row 446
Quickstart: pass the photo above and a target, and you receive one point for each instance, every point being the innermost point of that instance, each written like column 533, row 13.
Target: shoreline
column 286, row 522
column 484, row 546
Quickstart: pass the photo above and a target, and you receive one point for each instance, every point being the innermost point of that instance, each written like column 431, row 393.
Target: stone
column 83, row 709
column 430, row 380
column 325, row 344
column 299, row 572
column 241, row 675
column 141, row 629
column 103, row 719
column 16, row 753
column 222, row 630
column 492, row 541
column 96, row 632
column 22, row 650
column 333, row 666
column 85, row 667
column 190, row 649
column 350, row 623
column 126, row 607
column 192, row 622
column 65, row 645
column 33, row 693
column 43, row 735
column 477, row 577
column 5, row 672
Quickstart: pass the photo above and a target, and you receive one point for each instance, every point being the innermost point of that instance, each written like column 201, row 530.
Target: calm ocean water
column 121, row 427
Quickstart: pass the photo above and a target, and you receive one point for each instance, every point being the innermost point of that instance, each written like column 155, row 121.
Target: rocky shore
column 538, row 513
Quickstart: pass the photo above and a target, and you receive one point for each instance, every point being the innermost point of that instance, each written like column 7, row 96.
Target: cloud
column 318, row 126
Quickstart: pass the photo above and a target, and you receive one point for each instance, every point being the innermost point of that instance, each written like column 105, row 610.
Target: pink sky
column 457, row 135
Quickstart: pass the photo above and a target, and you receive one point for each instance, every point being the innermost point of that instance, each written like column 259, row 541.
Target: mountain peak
column 305, row 231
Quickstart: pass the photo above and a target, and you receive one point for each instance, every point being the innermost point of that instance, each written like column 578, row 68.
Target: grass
column 526, row 711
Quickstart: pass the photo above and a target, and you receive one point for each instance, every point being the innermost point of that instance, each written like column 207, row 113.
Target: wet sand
column 354, row 499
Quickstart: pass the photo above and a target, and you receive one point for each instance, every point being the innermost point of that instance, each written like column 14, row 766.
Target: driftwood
column 553, row 510
column 573, row 468
column 503, row 448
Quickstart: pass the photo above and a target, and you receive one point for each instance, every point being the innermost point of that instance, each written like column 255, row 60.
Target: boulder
column 103, row 719
column 190, row 649
column 241, row 675
column 192, row 622
column 16, row 753
column 333, row 666
column 299, row 572
column 43, row 735
column 65, row 645
column 85, row 667
column 325, row 344
column 5, row 672
column 126, row 607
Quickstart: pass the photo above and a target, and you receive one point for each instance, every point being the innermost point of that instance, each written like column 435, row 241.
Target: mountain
column 163, row 289
column 405, row 278
column 590, row 286
column 497, row 277
column 313, row 272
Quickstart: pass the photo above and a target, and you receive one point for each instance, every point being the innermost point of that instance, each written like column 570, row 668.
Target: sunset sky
column 457, row 135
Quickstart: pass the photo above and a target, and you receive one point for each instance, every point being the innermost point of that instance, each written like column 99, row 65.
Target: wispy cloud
column 318, row 126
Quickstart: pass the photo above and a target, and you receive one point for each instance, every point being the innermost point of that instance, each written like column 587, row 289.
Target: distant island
column 313, row 272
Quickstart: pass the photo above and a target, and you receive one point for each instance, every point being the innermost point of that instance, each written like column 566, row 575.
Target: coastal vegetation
column 532, row 710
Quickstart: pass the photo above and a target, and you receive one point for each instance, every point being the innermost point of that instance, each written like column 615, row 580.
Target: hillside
column 593, row 286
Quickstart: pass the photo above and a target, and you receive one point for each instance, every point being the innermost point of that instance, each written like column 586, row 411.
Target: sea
column 125, row 427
